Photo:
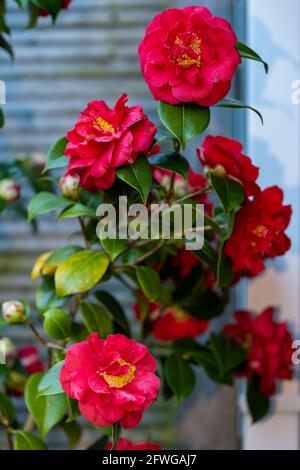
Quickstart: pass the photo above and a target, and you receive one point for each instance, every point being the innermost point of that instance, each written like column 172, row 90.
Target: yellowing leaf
column 38, row 265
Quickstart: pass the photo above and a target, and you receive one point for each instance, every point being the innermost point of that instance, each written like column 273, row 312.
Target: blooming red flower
column 185, row 261
column 104, row 139
column 172, row 323
column 259, row 232
column 113, row 379
column 64, row 5
column 30, row 359
column 125, row 444
column 226, row 155
column 188, row 55
column 269, row 344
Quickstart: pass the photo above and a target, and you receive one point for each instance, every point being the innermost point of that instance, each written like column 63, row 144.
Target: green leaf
column 116, row 431
column 138, row 176
column 6, row 46
column 171, row 161
column 77, row 210
column 149, row 282
column 60, row 255
column 230, row 192
column 225, row 275
column 50, row 383
column 258, row 404
column 236, row 104
column 73, row 432
column 204, row 304
column 48, row 410
column 44, row 203
column 100, row 444
column 206, row 359
column 73, row 410
column 184, row 120
column 51, row 6
column 114, row 247
column 180, row 377
column 80, row 272
column 55, row 157
column 57, row 324
column 114, row 308
column 46, row 298
column 2, row 119
column 27, row 441
column 248, row 53
column 228, row 354
column 7, row 410
column 96, row 318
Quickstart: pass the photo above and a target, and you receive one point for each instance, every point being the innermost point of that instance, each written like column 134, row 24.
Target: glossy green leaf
column 180, row 377
column 184, row 120
column 51, row 6
column 247, row 53
column 138, row 176
column 2, row 118
column 149, row 282
column 27, row 441
column 96, row 318
column 114, row 308
column 114, row 247
column 57, row 324
column 47, row 410
column 228, row 354
column 46, row 297
column 236, row 104
column 4, row 44
column 230, row 192
column 7, row 410
column 258, row 404
column 45, row 202
column 80, row 272
column 171, row 161
column 55, row 157
column 77, row 210
column 225, row 275
column 50, row 383
column 73, row 432
column 58, row 256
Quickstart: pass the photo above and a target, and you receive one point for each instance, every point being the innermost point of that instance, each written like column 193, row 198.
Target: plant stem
column 83, row 229
column 141, row 259
column 37, row 334
column 10, row 441
column 199, row 192
column 116, row 429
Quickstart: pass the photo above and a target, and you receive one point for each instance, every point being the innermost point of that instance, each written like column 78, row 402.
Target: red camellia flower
column 64, row 5
column 188, row 55
column 225, row 155
column 185, row 261
column 270, row 347
column 30, row 359
column 259, row 232
column 125, row 444
column 104, row 139
column 113, row 379
column 172, row 323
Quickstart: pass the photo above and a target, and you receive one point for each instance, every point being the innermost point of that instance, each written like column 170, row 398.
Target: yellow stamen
column 259, row 231
column 119, row 381
column 103, row 125
column 185, row 60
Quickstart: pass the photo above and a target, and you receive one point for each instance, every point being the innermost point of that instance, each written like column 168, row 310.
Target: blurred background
column 91, row 53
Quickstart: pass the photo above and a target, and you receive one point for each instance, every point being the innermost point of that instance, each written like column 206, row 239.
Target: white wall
column 274, row 31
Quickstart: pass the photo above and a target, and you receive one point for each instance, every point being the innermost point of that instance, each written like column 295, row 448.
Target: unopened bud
column 13, row 312
column 69, row 185
column 9, row 190
column 219, row 170
column 15, row 382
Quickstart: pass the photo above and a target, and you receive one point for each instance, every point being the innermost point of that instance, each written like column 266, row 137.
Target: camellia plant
column 108, row 365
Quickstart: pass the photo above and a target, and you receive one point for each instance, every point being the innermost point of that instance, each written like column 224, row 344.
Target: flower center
column 259, row 231
column 119, row 381
column 188, row 52
column 103, row 125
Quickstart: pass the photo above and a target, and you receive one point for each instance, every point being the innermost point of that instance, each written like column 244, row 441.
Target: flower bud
column 219, row 170
column 69, row 185
column 38, row 160
column 9, row 190
column 13, row 312
column 15, row 383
